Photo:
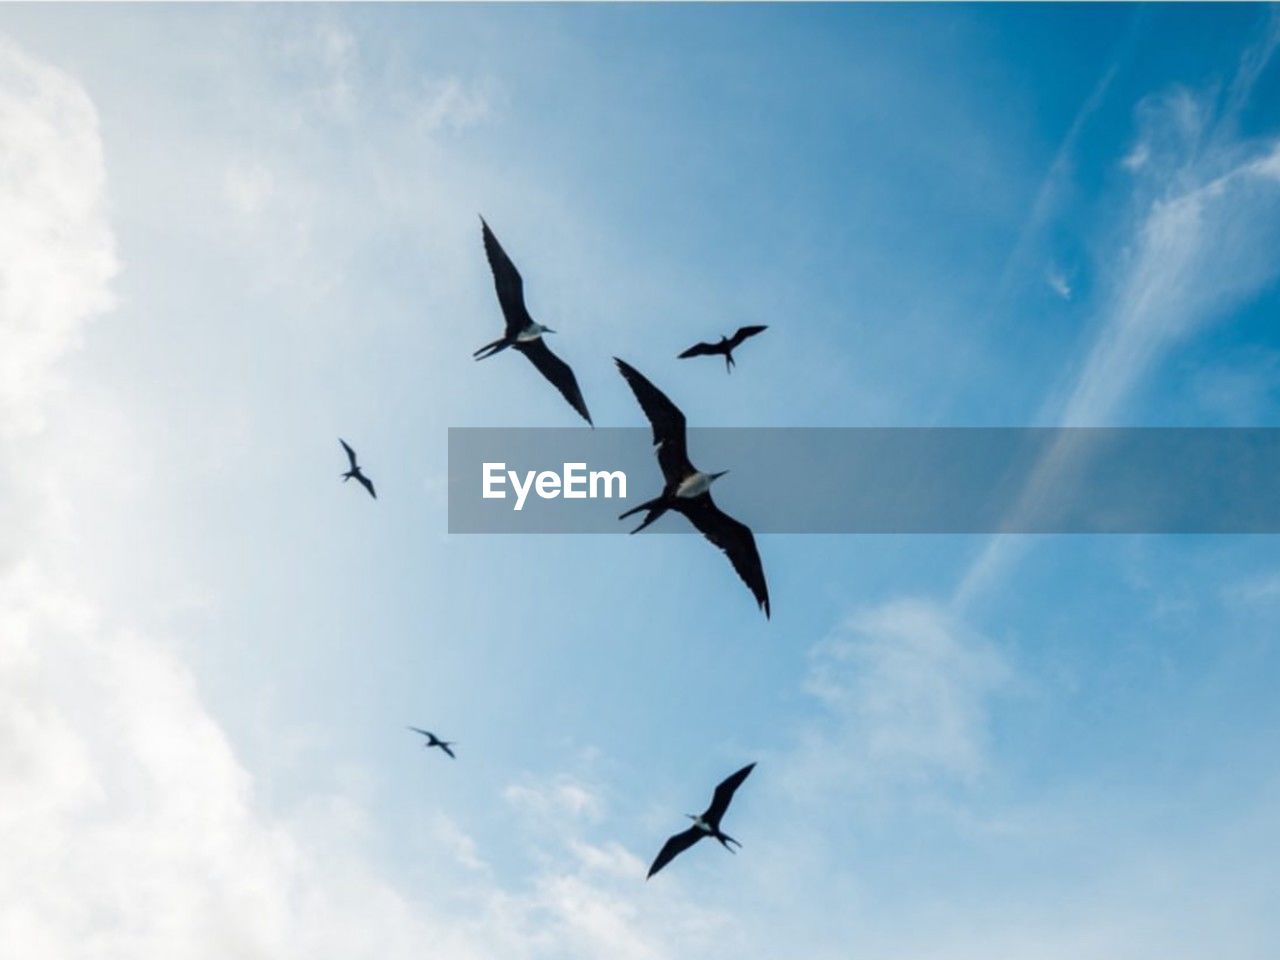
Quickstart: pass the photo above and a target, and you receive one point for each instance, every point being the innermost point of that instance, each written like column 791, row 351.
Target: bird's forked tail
column 489, row 349
column 655, row 508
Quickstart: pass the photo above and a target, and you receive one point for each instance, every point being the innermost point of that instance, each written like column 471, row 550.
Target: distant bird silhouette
column 522, row 332
column 726, row 346
column 706, row 825
column 687, row 488
column 434, row 741
column 355, row 473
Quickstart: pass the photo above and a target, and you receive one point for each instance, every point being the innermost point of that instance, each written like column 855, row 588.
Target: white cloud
column 1057, row 280
column 560, row 797
column 56, row 251
column 463, row 846
column 131, row 831
column 450, row 104
column 130, row 827
column 908, row 690
column 336, row 53
column 342, row 83
column 1137, row 157
column 1258, row 591
column 1049, row 196
column 1209, row 215
column 247, row 187
column 611, row 858
column 1197, row 253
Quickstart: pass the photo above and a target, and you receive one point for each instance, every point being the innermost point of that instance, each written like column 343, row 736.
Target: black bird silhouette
column 726, row 346
column 687, row 489
column 355, row 473
column 707, row 825
column 522, row 332
column 434, row 741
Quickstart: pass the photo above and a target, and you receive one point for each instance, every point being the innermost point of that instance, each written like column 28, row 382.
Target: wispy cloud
column 248, row 187
column 333, row 52
column 910, row 691
column 559, row 797
column 131, row 829
column 1260, row 591
column 1048, row 196
column 1208, row 212
column 1058, row 282
column 1137, row 157
column 907, row 688
column 57, row 257
column 130, row 825
column 451, row 104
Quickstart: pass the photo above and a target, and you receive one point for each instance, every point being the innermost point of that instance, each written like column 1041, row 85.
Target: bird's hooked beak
column 716, row 476
column 547, row 330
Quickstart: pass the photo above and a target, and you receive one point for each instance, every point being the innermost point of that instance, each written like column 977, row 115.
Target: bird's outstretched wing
column 557, row 371
column 445, row 747
column 666, row 420
column 724, row 793
column 743, row 333
column 506, row 278
column 700, row 350
column 731, row 536
column 426, row 733
column 351, row 454
column 367, row 484
column 674, row 847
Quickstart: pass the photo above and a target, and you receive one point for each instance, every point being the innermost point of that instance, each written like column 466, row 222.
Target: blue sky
column 242, row 231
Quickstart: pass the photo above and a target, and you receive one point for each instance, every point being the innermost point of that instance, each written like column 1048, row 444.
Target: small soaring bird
column 706, row 825
column 522, row 332
column 355, row 473
column 726, row 346
column 434, row 741
column 687, row 489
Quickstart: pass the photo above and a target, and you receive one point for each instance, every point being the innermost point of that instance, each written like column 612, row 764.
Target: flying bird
column 726, row 346
column 707, row 825
column 355, row 473
column 687, row 489
column 522, row 332
column 434, row 741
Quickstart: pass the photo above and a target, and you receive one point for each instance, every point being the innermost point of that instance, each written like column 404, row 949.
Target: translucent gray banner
column 879, row 480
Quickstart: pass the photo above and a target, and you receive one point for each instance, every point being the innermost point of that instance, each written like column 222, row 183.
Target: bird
column 434, row 741
column 706, row 825
column 522, row 332
column 355, row 473
column 726, row 346
column 687, row 490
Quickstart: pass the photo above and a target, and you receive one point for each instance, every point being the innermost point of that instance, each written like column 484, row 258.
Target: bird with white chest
column 687, row 490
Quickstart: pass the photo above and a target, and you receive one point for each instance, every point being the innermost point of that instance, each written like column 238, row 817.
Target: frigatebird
column 687, row 489
column 355, row 473
column 522, row 332
column 707, row 825
column 434, row 741
column 726, row 346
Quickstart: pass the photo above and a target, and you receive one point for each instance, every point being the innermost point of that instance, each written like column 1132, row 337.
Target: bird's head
column 712, row 478
column 543, row 329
